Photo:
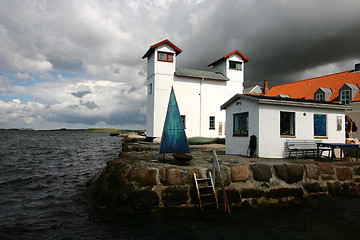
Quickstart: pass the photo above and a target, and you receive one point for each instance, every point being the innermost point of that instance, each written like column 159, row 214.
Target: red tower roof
column 230, row 54
column 166, row 41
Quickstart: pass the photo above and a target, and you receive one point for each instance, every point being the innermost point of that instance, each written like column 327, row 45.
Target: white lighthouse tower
column 160, row 77
column 199, row 94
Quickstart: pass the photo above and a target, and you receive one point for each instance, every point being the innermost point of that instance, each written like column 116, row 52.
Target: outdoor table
column 337, row 145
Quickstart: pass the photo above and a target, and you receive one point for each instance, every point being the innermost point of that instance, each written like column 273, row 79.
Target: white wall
column 197, row 99
column 236, row 76
column 267, row 117
column 150, row 107
column 161, row 76
column 187, row 96
column 212, row 97
column 197, row 96
column 165, row 67
column 238, row 144
column 150, row 66
column 271, row 144
column 193, row 96
column 163, row 84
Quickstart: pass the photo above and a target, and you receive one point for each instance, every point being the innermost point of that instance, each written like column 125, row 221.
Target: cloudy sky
column 77, row 64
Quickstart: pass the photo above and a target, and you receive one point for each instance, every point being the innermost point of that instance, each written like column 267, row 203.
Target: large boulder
column 261, row 172
column 289, row 173
column 240, row 174
column 143, row 176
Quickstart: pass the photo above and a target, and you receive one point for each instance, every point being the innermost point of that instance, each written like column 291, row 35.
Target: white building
column 273, row 120
column 199, row 93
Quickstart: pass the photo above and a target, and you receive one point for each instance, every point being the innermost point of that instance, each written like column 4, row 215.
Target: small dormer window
column 319, row 97
column 165, row 57
column 347, row 93
column 323, row 94
column 235, row 65
column 345, row 96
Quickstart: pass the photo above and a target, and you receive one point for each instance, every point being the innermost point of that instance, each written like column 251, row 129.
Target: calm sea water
column 42, row 182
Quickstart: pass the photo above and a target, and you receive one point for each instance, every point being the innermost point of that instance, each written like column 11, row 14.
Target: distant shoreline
column 106, row 130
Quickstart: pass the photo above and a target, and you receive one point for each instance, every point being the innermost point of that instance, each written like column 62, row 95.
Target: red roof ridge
column 152, row 47
column 311, row 79
column 230, row 54
column 253, row 94
column 350, row 71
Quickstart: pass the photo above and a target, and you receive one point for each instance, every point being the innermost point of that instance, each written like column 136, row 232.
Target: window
column 241, row 124
column 220, row 128
column 345, row 96
column 287, row 123
column 319, row 97
column 235, row 65
column 165, row 57
column 319, row 125
column 183, row 120
column 339, row 123
column 212, row 122
column 150, row 88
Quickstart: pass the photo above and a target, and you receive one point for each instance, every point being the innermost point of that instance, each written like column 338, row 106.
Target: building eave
column 235, row 98
column 166, row 41
column 245, row 59
column 285, row 102
column 305, row 104
column 199, row 74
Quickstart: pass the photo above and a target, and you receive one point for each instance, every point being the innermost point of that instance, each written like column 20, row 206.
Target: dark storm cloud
column 64, row 65
column 124, row 118
column 115, row 118
column 81, row 94
column 282, row 38
column 94, row 48
column 89, row 104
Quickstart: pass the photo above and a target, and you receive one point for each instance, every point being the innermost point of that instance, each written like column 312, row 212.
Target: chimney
column 266, row 87
column 357, row 67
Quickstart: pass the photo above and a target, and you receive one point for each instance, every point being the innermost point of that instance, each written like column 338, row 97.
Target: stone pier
column 135, row 181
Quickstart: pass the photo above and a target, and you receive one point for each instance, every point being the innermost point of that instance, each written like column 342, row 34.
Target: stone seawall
column 136, row 182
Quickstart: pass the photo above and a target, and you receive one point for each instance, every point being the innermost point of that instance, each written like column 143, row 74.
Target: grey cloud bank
column 78, row 63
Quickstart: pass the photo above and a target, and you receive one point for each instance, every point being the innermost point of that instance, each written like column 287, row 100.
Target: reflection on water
column 42, row 180
column 323, row 218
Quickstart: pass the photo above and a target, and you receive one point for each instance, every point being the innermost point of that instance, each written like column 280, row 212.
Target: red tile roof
column 166, row 41
column 307, row 88
column 230, row 54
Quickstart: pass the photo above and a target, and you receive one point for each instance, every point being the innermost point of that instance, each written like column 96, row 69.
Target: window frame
column 237, row 63
column 319, row 132
column 320, row 97
column 169, row 57
column 237, row 131
column 291, row 125
column 212, row 122
column 343, row 96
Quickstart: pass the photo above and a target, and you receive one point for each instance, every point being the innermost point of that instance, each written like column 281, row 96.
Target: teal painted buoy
column 173, row 138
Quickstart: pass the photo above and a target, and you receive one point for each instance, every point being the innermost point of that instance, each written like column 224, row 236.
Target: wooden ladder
column 206, row 192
